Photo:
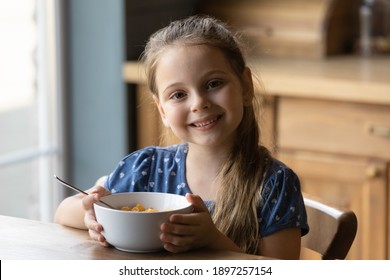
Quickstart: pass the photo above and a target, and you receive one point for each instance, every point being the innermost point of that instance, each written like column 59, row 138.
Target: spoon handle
column 79, row 190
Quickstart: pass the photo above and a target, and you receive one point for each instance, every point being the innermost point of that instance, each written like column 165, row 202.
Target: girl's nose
column 199, row 102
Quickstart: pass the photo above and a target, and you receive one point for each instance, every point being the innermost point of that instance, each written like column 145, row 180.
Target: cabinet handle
column 379, row 131
column 373, row 172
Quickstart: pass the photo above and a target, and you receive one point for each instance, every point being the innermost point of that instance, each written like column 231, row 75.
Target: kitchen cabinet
column 329, row 120
column 330, row 146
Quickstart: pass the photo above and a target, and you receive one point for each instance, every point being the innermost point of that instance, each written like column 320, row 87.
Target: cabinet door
column 355, row 183
column 267, row 121
column 149, row 125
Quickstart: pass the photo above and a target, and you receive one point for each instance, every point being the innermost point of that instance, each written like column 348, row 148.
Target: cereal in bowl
column 138, row 208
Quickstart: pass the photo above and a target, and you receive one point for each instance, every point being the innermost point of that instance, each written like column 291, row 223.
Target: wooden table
column 23, row 239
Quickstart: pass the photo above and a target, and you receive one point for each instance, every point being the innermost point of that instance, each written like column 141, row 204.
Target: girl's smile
column 206, row 123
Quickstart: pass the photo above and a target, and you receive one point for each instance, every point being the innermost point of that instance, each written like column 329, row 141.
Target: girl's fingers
column 196, row 202
column 98, row 237
column 92, row 224
column 178, row 229
column 101, row 191
column 175, row 249
column 177, row 240
column 193, row 218
column 89, row 200
column 93, row 197
column 90, row 218
column 184, row 232
column 187, row 219
column 94, row 228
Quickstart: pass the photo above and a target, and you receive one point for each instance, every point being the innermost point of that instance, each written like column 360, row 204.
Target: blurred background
column 70, row 104
column 62, row 99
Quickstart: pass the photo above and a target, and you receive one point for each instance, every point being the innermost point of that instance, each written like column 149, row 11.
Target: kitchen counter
column 343, row 78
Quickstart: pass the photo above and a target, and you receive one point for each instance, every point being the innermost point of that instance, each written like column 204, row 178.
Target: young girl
column 244, row 199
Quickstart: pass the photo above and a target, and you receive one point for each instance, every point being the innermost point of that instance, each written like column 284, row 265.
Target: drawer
column 331, row 126
column 347, row 181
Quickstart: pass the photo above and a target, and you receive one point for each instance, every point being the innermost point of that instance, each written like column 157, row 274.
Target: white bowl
column 138, row 231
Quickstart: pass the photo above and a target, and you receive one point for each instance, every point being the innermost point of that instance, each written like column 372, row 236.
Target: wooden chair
column 332, row 229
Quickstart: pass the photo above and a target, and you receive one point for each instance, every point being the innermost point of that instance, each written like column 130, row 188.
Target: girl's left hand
column 184, row 232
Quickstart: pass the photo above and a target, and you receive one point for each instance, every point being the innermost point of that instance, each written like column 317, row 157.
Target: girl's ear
column 248, row 88
column 161, row 111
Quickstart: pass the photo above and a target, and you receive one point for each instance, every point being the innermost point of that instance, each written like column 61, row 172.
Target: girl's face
column 200, row 97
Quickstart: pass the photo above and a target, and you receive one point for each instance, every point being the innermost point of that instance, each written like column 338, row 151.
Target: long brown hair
column 240, row 177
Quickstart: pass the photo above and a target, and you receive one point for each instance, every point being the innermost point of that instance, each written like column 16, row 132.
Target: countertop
column 343, row 78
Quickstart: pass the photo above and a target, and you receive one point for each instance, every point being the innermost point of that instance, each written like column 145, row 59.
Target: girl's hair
column 235, row 212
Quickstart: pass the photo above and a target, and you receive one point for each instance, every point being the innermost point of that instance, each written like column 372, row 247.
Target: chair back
column 332, row 229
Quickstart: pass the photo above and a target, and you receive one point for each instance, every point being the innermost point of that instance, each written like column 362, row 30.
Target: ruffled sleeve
column 282, row 205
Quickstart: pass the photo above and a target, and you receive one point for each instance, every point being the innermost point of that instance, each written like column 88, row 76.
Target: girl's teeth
column 204, row 123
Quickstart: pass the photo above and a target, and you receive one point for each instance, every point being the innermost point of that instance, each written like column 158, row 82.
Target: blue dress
column 157, row 169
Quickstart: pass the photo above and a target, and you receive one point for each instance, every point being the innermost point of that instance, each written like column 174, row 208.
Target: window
column 30, row 108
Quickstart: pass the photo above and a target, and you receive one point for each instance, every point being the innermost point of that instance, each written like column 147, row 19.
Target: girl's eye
column 178, row 95
column 213, row 84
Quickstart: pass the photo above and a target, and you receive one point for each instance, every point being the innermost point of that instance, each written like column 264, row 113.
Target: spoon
column 79, row 190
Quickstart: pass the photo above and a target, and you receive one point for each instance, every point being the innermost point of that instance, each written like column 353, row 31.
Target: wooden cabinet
column 348, row 128
column 285, row 28
column 331, row 146
column 344, row 181
column 330, row 122
column 148, row 123
column 332, row 126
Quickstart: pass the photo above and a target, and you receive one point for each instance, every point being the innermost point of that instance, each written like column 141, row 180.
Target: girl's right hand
column 94, row 228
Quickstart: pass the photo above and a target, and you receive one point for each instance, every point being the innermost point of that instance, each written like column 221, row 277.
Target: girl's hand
column 184, row 232
column 94, row 228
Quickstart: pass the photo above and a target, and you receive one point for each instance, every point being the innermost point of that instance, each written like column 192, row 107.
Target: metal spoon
column 80, row 191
